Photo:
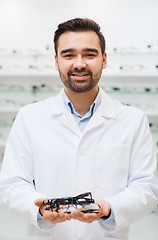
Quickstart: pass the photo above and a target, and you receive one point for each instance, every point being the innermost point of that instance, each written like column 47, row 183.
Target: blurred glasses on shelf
column 153, row 47
column 131, row 89
column 153, row 126
column 43, row 87
column 31, row 52
column 146, row 107
column 46, row 67
column 28, row 68
column 134, row 67
column 150, row 47
column 123, row 50
column 15, row 67
column 149, row 108
column 8, row 103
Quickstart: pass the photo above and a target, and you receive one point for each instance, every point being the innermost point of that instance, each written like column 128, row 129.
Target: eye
column 90, row 55
column 68, row 56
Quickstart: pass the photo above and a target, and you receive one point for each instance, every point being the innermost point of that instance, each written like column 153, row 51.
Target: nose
column 79, row 62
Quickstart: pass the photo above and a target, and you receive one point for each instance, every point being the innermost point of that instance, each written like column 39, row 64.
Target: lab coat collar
column 104, row 111
column 59, row 109
column 106, row 108
column 58, row 105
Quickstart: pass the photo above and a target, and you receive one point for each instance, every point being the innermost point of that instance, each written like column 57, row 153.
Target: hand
column 91, row 217
column 48, row 215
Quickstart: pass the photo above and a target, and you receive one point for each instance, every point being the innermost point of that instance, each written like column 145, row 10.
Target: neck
column 82, row 101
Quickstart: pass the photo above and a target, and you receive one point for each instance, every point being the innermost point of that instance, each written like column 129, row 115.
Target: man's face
column 79, row 60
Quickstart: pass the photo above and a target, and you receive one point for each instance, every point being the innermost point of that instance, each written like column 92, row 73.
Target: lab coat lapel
column 69, row 122
column 59, row 110
column 104, row 112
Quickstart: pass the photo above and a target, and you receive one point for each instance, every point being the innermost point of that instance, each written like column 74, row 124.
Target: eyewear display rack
column 28, row 76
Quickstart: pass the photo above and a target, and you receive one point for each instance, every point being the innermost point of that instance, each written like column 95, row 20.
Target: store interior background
column 126, row 24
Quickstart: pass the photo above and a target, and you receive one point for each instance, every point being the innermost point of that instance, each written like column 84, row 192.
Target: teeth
column 79, row 75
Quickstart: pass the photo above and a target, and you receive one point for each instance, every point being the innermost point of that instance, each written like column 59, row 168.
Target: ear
column 104, row 60
column 56, row 62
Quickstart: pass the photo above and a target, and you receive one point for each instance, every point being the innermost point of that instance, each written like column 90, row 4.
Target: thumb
column 38, row 202
column 104, row 205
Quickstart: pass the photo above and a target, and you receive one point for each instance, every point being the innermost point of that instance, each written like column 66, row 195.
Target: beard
column 80, row 86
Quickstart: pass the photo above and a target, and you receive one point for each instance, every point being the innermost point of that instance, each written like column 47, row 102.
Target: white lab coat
column 113, row 158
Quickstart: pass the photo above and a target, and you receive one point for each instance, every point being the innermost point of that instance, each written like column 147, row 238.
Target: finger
column 60, row 218
column 105, row 206
column 92, row 216
column 76, row 214
column 49, row 215
column 86, row 217
column 38, row 202
column 55, row 217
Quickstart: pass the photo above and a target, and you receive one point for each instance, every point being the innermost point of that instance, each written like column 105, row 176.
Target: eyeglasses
column 83, row 202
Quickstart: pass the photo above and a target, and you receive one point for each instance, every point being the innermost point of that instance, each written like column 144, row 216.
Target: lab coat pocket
column 111, row 166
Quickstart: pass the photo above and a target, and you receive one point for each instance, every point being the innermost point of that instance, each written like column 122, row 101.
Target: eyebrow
column 69, row 50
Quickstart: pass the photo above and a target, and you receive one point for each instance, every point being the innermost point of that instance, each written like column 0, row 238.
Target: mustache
column 82, row 70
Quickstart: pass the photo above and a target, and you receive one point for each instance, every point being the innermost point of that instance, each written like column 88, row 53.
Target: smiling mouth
column 80, row 74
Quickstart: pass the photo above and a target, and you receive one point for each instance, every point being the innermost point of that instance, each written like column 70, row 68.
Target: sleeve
column 140, row 197
column 17, row 189
column 43, row 224
column 108, row 224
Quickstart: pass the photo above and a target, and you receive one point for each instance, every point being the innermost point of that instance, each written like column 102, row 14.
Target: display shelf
column 28, row 74
column 32, row 91
column 142, row 53
column 9, row 109
column 54, row 73
column 31, row 53
column 131, row 74
column 132, row 93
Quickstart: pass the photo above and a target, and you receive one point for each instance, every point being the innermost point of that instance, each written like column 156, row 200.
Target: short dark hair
column 77, row 25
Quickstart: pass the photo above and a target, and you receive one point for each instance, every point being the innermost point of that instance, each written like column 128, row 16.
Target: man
column 80, row 141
